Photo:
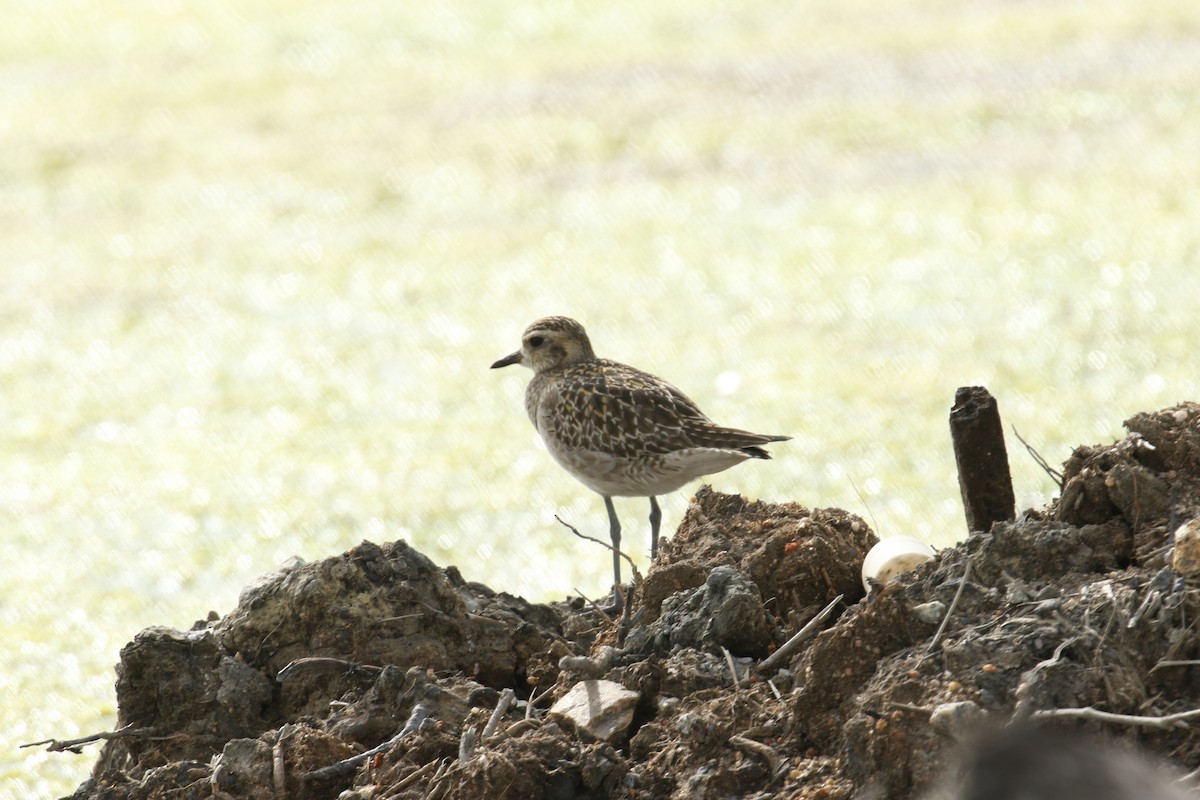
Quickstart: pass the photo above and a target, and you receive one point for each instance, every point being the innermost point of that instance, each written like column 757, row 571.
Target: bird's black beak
column 511, row 358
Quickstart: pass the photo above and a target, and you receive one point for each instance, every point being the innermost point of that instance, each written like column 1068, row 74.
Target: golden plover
column 620, row 431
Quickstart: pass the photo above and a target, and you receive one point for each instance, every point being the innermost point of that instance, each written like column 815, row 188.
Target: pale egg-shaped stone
column 892, row 556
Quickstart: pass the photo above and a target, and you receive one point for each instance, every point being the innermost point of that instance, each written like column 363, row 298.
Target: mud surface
column 376, row 674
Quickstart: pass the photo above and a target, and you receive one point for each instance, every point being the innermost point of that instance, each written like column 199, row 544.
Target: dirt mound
column 376, row 674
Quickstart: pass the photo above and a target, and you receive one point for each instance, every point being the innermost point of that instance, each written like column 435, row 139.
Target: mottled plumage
column 620, row 431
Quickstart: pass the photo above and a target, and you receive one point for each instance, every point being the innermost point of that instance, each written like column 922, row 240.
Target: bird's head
column 551, row 343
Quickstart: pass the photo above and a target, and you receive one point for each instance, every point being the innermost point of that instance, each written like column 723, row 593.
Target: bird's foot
column 615, row 604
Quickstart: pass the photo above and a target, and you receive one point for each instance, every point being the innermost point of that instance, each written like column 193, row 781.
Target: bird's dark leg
column 614, row 533
column 655, row 518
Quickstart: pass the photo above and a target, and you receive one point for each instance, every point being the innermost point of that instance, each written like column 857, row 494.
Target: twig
column 774, row 689
column 420, row 713
column 863, row 500
column 322, row 664
column 788, row 647
column 74, row 745
column 627, row 622
column 608, row 545
column 1089, row 713
column 278, row 762
column 506, row 698
column 1173, row 519
column 962, row 584
column 587, row 665
column 1032, row 678
column 522, row 725
column 765, row 752
column 595, row 606
column 1041, row 462
column 1168, row 663
column 732, row 668
column 415, row 775
column 1159, row 585
column 466, row 744
column 438, row 784
column 535, row 699
column 1188, row 778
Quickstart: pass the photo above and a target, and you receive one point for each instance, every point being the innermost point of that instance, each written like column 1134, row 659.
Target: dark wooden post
column 983, row 476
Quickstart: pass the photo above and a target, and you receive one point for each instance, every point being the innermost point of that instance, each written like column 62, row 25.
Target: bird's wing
column 612, row 408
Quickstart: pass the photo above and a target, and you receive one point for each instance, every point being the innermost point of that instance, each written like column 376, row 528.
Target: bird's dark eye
column 536, row 341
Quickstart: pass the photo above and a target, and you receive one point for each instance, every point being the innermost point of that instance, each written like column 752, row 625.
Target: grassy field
column 257, row 258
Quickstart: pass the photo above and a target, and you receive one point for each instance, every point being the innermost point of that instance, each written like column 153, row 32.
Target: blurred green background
column 257, row 257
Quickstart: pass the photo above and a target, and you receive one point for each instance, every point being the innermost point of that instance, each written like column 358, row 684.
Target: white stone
column 893, row 556
column 1186, row 559
column 601, row 709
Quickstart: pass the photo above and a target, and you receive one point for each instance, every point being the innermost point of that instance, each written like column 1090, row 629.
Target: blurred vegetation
column 257, row 258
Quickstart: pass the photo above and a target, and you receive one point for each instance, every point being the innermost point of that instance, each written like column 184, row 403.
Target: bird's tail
column 735, row 439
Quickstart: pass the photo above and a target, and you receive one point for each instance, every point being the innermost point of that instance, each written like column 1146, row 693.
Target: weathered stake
column 983, row 476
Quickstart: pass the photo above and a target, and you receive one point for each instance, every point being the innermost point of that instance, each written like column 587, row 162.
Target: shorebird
column 620, row 431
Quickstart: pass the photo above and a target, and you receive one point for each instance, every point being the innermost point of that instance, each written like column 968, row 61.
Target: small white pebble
column 930, row 612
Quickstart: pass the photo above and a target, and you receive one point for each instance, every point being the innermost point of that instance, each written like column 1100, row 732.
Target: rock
column 799, row 558
column 957, row 720
column 1040, row 550
column 176, row 682
column 726, row 611
column 382, row 605
column 1186, row 558
column 244, row 768
column 930, row 613
column 892, row 556
column 601, row 709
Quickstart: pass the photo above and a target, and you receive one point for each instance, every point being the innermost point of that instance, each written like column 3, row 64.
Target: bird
column 618, row 430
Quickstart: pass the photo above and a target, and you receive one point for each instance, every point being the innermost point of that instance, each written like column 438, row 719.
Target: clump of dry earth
column 376, row 674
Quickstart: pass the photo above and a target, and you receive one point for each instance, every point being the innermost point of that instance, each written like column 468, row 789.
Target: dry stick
column 1173, row 519
column 595, row 606
column 588, row 665
column 1041, row 462
column 506, row 698
column 438, row 784
column 522, row 725
column 420, row 713
column 1189, row 778
column 1097, row 715
column 466, row 745
column 1159, row 584
column 732, row 668
column 414, row 776
column 627, row 622
column 74, row 745
column 983, row 475
column 863, row 500
column 535, row 699
column 788, row 647
column 608, row 545
column 765, row 752
column 324, row 664
column 1188, row 663
column 278, row 764
column 962, row 584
